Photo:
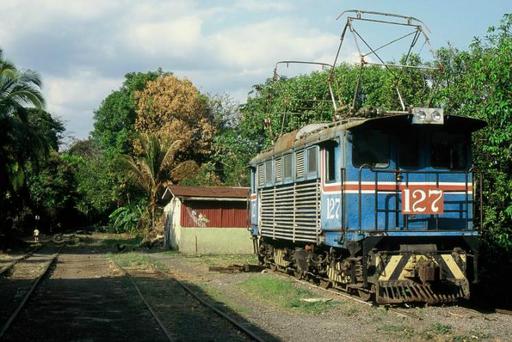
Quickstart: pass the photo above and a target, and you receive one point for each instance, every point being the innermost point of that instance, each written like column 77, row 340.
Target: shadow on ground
column 75, row 304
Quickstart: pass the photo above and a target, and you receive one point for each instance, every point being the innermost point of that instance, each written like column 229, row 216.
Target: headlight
column 432, row 116
column 436, row 116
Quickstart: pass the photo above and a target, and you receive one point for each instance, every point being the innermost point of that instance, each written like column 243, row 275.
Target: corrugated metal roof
column 209, row 191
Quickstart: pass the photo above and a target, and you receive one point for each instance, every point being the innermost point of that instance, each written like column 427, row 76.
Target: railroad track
column 10, row 265
column 27, row 295
column 225, row 316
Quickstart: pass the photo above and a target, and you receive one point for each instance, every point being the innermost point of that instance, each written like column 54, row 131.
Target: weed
column 284, row 293
column 132, row 259
column 131, row 242
column 400, row 330
column 472, row 336
column 224, row 260
column 436, row 330
column 441, row 329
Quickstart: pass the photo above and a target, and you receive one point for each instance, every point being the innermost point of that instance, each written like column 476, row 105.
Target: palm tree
column 19, row 141
column 155, row 168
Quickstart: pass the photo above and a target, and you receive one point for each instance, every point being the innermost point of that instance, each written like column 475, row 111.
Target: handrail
column 399, row 179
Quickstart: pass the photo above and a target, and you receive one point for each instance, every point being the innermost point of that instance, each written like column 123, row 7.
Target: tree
column 114, row 121
column 173, row 110
column 478, row 83
column 21, row 145
column 101, row 184
column 53, row 192
column 155, row 168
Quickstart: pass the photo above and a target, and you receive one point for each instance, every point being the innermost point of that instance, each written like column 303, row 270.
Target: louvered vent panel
column 278, row 170
column 291, row 212
column 300, row 164
column 261, row 175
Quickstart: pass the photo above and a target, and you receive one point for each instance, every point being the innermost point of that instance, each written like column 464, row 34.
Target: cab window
column 449, row 151
column 330, row 165
column 370, row 147
column 408, row 149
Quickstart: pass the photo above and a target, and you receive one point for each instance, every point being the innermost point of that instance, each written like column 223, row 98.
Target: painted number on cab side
column 333, row 208
column 422, row 201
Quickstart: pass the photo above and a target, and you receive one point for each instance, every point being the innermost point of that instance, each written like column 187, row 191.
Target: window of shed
column 370, row 147
column 268, row 171
column 287, row 166
column 312, row 160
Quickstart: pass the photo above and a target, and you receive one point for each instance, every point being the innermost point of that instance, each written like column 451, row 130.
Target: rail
column 251, row 335
column 29, row 293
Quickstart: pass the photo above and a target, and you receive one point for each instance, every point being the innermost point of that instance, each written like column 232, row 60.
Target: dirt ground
column 343, row 319
column 86, row 298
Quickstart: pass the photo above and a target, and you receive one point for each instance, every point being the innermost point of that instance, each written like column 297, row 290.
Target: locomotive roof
column 315, row 133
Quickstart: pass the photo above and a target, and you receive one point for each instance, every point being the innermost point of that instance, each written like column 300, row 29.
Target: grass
column 219, row 297
column 132, row 259
column 398, row 330
column 224, row 260
column 129, row 242
column 284, row 293
column 437, row 330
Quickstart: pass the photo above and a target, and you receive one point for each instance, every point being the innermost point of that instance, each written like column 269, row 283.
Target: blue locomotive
column 381, row 206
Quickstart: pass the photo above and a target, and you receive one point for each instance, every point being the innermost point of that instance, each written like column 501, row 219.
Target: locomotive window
column 268, row 171
column 253, row 180
column 312, row 160
column 408, row 153
column 287, row 166
column 330, row 163
column 370, row 147
column 449, row 151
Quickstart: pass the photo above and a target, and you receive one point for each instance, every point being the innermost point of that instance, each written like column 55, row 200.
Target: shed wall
column 214, row 214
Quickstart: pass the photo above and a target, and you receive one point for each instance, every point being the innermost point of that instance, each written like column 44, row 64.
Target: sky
column 83, row 48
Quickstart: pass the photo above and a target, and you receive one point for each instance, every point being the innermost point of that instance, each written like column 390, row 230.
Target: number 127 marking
column 422, row 201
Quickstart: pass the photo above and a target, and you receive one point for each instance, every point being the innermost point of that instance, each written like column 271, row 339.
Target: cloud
column 75, row 99
column 84, row 48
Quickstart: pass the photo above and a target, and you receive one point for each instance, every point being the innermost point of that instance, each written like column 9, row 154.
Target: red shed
column 208, row 219
column 222, row 207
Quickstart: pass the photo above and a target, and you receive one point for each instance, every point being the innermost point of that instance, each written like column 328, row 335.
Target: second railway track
column 30, row 270
column 243, row 331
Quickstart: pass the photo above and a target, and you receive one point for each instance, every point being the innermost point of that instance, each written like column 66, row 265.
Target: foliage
column 114, row 121
column 22, row 143
column 19, row 142
column 173, row 110
column 126, row 219
column 291, row 103
column 53, row 192
column 156, row 167
column 206, row 175
column 102, row 185
column 478, row 83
